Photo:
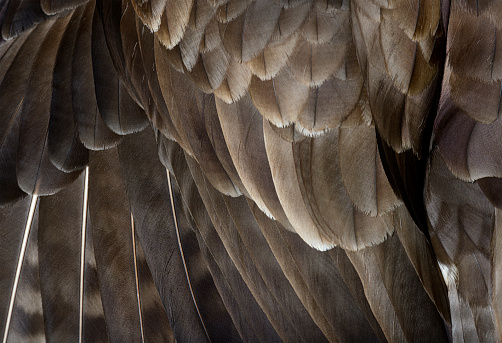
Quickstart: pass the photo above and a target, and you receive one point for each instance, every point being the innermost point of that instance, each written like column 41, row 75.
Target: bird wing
column 281, row 126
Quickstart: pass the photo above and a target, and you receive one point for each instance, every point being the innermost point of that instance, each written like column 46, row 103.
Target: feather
column 422, row 256
column 13, row 85
column 93, row 322
column 286, row 182
column 188, row 116
column 370, row 190
column 311, row 274
column 279, row 100
column 462, row 221
column 135, row 81
column 273, row 58
column 462, row 140
column 153, row 313
column 160, row 118
column 111, row 229
column 316, row 203
column 20, row 16
column 217, row 139
column 13, row 220
column 492, row 188
column 324, row 25
column 329, row 204
column 242, row 128
column 232, row 9
column 210, row 70
column 35, row 172
column 27, row 321
column 8, row 155
column 200, row 17
column 59, row 258
column 497, row 277
column 174, row 22
column 210, row 311
column 290, row 19
column 66, row 151
column 402, row 81
column 57, row 6
column 383, row 282
column 235, row 84
column 149, row 11
column 211, row 39
column 164, row 71
column 329, row 104
column 247, row 35
column 268, row 296
column 312, row 64
column 89, row 49
column 249, row 318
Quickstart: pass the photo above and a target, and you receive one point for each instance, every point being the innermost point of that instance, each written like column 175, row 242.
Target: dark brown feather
column 66, row 150
column 36, row 174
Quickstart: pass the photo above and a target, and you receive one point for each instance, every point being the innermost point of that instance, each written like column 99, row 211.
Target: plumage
column 175, row 170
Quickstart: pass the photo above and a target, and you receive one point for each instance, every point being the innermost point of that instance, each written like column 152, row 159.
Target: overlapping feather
column 299, row 89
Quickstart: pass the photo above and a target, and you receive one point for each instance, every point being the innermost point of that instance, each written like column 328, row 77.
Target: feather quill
column 27, row 321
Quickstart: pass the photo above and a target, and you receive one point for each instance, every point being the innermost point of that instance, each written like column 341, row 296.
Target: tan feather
column 149, row 11
column 323, row 26
column 362, row 172
column 242, row 127
column 279, row 100
column 173, row 22
column 312, row 64
column 235, row 84
column 330, row 103
column 200, row 17
column 273, row 58
column 290, row 20
column 247, row 35
column 210, row 70
column 287, row 184
column 232, row 9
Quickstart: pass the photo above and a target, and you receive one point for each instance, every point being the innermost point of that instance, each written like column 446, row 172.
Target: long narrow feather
column 26, row 320
column 65, row 148
column 59, row 249
column 36, row 174
column 112, row 237
column 250, row 320
column 90, row 50
column 13, row 220
column 159, row 207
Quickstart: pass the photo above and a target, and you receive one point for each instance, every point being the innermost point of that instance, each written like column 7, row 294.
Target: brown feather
column 362, row 172
column 290, row 20
column 173, row 22
column 330, row 103
column 242, row 128
column 36, row 174
column 235, row 84
column 56, row 6
column 247, row 35
column 90, row 52
column 232, row 9
column 273, row 58
column 312, row 64
column 200, row 17
column 384, row 281
column 279, row 100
